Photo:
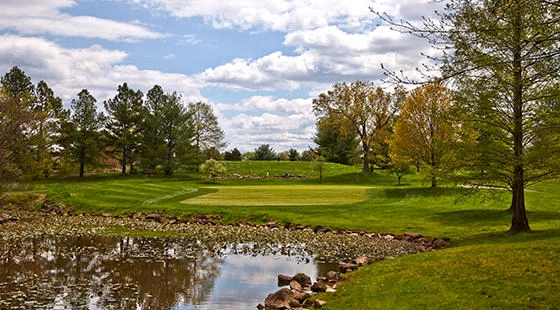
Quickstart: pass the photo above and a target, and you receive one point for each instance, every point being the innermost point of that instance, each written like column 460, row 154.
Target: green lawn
column 281, row 195
column 484, row 268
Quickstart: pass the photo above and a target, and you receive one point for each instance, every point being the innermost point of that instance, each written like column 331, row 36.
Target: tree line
column 155, row 132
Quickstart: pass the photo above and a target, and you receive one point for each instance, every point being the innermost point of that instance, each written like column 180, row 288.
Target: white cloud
column 282, row 123
column 189, row 39
column 275, row 15
column 95, row 68
column 323, row 55
column 44, row 17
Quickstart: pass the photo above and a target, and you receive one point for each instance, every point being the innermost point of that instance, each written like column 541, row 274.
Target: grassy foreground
column 484, row 268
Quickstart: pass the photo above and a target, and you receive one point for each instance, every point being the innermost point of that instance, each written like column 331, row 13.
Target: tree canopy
column 366, row 111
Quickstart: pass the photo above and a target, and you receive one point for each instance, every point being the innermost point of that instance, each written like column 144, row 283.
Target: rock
column 106, row 215
column 295, row 304
column 135, row 215
column 318, row 288
column 301, row 297
column 389, row 237
column 260, row 306
column 5, row 218
column 294, row 285
column 154, row 217
column 347, row 267
column 284, row 280
column 279, row 300
column 318, row 304
column 412, row 236
column 332, row 275
column 272, row 224
column 302, row 279
column 362, row 261
column 439, row 243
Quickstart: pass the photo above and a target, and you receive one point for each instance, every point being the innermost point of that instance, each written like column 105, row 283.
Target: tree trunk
column 365, row 150
column 519, row 221
column 82, row 161
column 123, row 162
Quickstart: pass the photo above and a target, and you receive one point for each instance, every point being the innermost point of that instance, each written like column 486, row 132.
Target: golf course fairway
column 281, row 195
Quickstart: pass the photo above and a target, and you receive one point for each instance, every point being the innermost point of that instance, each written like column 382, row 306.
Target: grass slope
column 484, row 268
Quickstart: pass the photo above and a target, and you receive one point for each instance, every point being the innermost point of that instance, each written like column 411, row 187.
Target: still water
column 93, row 272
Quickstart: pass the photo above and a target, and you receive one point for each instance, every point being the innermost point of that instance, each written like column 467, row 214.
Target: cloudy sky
column 258, row 62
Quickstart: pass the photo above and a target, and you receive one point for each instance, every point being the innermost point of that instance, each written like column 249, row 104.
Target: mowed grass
column 484, row 268
column 280, row 195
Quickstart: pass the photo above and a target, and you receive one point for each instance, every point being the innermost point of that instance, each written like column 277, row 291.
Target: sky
column 259, row 63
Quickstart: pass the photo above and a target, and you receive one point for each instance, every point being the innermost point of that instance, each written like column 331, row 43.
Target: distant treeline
column 152, row 133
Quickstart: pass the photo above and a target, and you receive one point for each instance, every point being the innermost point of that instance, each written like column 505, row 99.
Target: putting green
column 281, row 195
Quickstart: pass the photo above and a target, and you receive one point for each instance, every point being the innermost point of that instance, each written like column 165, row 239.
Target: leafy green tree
column 503, row 57
column 14, row 115
column 207, row 132
column 400, row 166
column 264, row 152
column 293, row 155
column 233, row 155
column 367, row 110
column 124, row 131
column 425, row 132
column 336, row 145
column 82, row 131
column 319, row 165
column 213, row 168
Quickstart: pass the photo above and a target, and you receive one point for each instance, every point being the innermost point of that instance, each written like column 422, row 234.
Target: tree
column 17, row 85
column 13, row 142
column 424, row 131
column 48, row 115
column 82, row 131
column 367, row 109
column 213, row 168
column 233, row 155
column 334, row 143
column 167, row 131
column 400, row 166
column 318, row 165
column 264, row 152
column 503, row 57
column 293, row 155
column 16, row 117
column 125, row 115
column 207, row 132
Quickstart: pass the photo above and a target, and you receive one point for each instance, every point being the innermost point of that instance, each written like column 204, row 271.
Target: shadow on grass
column 504, row 237
column 489, row 217
column 402, row 191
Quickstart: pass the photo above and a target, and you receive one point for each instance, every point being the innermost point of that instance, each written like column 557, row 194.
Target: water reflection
column 86, row 272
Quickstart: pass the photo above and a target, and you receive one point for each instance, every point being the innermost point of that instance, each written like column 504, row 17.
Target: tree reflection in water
column 104, row 272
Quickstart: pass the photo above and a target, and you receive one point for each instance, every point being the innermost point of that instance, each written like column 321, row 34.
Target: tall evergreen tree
column 167, row 131
column 125, row 114
column 82, row 131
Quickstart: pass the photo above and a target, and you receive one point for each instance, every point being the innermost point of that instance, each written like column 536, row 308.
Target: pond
column 108, row 272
